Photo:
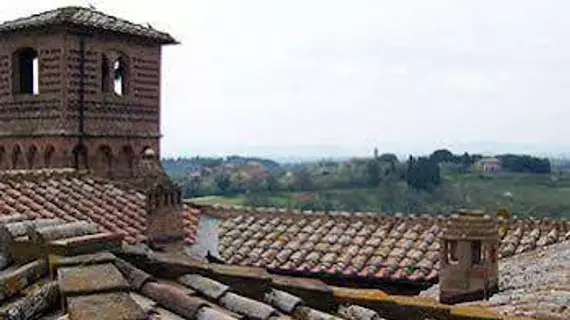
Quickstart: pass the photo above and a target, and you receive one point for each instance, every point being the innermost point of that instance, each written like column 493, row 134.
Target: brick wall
column 25, row 114
column 42, row 130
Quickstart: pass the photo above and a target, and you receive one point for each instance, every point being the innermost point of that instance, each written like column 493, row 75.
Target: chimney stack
column 469, row 268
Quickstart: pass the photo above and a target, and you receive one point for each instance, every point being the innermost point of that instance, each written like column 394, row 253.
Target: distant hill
column 181, row 167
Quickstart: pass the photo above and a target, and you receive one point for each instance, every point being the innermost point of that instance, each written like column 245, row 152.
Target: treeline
column 180, row 168
column 242, row 175
column 513, row 163
column 525, row 164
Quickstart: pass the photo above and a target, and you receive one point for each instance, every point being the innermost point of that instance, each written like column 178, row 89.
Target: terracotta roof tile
column 403, row 247
column 70, row 195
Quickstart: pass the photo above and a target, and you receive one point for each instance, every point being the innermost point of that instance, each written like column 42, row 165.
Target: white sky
column 259, row 76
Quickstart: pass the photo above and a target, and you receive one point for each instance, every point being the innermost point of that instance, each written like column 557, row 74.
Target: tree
column 239, row 182
column 388, row 157
column 223, row 183
column 373, row 173
column 423, row 174
column 441, row 156
column 302, row 179
column 525, row 163
column 192, row 187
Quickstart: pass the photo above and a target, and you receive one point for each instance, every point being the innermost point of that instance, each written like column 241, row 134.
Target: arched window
column 125, row 162
column 120, row 75
column 80, row 153
column 17, row 158
column 105, row 80
column 31, row 156
column 48, row 155
column 26, row 71
column 476, row 253
column 451, row 250
column 104, row 162
column 3, row 164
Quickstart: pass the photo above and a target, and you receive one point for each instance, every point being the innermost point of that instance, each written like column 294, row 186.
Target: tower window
column 48, row 155
column 476, row 252
column 114, row 72
column 17, row 158
column 80, row 154
column 120, row 76
column 104, row 73
column 26, row 71
column 452, row 252
column 31, row 156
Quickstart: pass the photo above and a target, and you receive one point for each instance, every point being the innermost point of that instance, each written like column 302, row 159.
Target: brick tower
column 469, row 268
column 79, row 88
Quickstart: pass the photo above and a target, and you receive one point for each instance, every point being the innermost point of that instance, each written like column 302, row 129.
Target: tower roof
column 87, row 18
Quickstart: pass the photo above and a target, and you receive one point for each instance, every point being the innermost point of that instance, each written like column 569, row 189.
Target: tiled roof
column 245, row 292
column 534, row 283
column 85, row 17
column 360, row 245
column 191, row 219
column 72, row 278
column 70, row 195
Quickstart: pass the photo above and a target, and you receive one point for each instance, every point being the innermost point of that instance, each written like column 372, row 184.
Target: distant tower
column 375, row 153
column 468, row 258
column 79, row 88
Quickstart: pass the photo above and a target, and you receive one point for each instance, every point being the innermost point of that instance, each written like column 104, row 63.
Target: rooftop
column 86, row 18
column 73, row 278
column 360, row 246
column 62, row 230
column 72, row 195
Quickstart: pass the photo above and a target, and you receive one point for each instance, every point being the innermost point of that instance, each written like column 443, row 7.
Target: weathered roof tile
column 59, row 196
column 105, row 306
column 398, row 248
column 253, row 309
column 90, row 279
column 283, row 301
column 207, row 287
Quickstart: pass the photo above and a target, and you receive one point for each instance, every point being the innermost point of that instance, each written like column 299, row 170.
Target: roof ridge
column 269, row 211
column 294, row 213
column 66, row 12
column 28, row 17
column 38, row 174
column 87, row 17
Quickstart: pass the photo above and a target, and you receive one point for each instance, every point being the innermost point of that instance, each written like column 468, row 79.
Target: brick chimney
column 165, row 218
column 468, row 257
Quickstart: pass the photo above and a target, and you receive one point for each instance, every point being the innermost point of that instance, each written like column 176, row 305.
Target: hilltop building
column 490, row 165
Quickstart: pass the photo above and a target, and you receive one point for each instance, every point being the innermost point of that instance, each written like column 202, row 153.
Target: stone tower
column 468, row 257
column 79, row 88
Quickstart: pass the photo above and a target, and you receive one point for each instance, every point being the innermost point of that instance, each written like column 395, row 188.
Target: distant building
column 490, row 165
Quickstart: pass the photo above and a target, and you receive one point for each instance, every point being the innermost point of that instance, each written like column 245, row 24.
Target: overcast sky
column 259, row 76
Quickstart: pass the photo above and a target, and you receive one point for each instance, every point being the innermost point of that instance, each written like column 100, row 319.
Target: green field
column 210, row 200
column 537, row 195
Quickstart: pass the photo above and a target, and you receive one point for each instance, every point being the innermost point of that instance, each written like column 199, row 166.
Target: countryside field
column 522, row 194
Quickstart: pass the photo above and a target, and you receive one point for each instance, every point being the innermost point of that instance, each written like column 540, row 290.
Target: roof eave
column 165, row 40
